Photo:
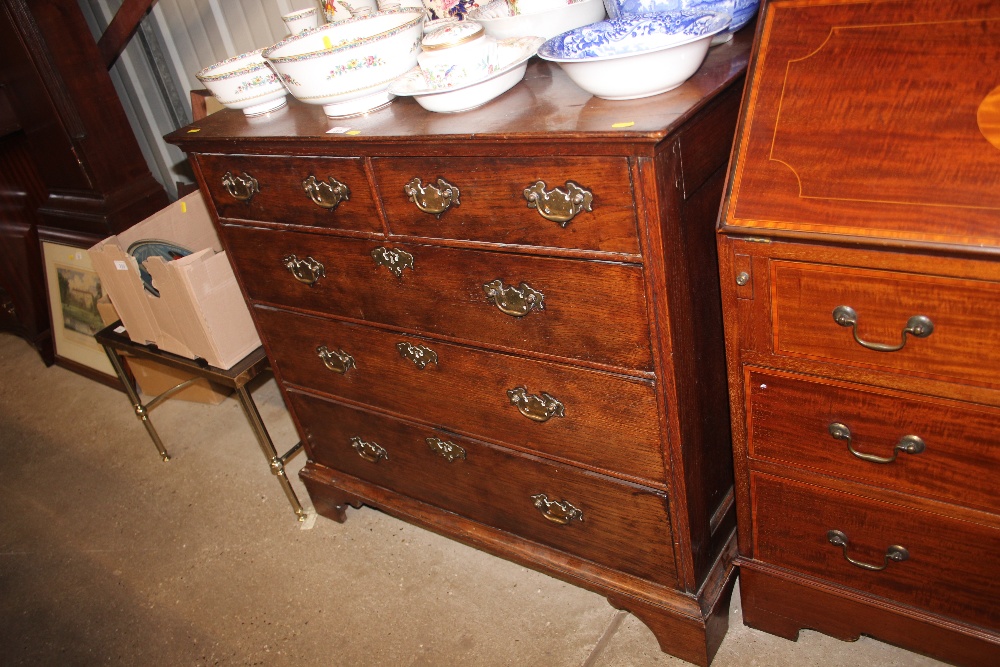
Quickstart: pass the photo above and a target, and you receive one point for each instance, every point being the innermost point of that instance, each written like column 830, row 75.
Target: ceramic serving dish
column 635, row 56
column 513, row 55
column 457, row 51
column 499, row 23
column 741, row 10
column 245, row 82
column 347, row 66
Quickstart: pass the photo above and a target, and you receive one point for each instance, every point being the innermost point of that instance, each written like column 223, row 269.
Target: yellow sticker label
column 353, row 132
column 327, row 44
column 194, row 129
column 184, row 207
column 628, row 124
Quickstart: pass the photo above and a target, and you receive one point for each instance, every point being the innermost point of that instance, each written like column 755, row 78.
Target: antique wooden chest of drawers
column 859, row 248
column 505, row 325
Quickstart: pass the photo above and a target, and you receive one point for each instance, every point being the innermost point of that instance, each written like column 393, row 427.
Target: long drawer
column 560, row 411
column 911, row 556
column 622, row 526
column 942, row 327
column 279, row 190
column 593, row 311
column 588, row 201
column 910, row 443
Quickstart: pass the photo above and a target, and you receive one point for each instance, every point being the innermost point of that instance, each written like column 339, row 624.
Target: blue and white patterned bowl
column 741, row 10
column 628, row 35
column 635, row 56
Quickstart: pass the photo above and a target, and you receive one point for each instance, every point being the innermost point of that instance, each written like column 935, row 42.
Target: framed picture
column 74, row 292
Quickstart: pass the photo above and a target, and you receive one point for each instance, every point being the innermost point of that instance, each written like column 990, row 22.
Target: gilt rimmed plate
column 513, row 53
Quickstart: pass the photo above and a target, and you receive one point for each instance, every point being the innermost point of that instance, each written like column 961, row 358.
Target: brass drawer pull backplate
column 369, row 451
column 536, row 408
column 420, row 355
column 561, row 512
column 557, row 205
column 326, row 194
column 394, row 260
column 895, row 553
column 446, row 449
column 514, row 301
column 911, row 444
column 338, row 362
column 241, row 188
column 306, row 271
column 918, row 326
column 430, row 198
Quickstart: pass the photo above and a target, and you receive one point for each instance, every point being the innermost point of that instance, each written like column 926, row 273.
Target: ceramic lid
column 452, row 35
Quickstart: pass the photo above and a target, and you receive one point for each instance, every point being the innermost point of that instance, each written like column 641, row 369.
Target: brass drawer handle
column 394, row 260
column 326, row 195
column 895, row 553
column 241, row 188
column 561, row 512
column 420, row 355
column 369, row 451
column 919, row 326
column 558, row 205
column 430, row 198
column 446, row 449
column 338, row 362
column 514, row 301
column 306, row 270
column 911, row 444
column 536, row 408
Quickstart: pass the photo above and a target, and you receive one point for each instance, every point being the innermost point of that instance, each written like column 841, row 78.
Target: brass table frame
column 117, row 344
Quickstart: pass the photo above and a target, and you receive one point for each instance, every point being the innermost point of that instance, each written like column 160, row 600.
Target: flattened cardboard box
column 200, row 311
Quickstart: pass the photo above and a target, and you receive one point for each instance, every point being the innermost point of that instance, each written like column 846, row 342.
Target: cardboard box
column 152, row 379
column 200, row 311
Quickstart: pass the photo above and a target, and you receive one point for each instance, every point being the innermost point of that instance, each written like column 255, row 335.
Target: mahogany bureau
column 504, row 325
column 859, row 249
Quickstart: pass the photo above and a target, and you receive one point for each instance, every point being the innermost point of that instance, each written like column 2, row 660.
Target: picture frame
column 74, row 290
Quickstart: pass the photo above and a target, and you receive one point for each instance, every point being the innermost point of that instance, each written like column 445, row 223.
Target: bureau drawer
column 491, row 205
column 951, row 565
column 281, row 194
column 598, row 419
column 593, row 311
column 621, row 526
column 904, row 442
column 961, row 317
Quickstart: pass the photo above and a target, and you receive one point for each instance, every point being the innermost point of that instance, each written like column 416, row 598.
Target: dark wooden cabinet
column 71, row 170
column 858, row 253
column 550, row 389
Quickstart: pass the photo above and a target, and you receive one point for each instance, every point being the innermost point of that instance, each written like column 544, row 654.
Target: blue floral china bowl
column 627, row 35
column 635, row 56
column 741, row 10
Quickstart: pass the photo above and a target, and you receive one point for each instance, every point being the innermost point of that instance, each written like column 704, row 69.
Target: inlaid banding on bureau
column 792, row 520
column 624, row 526
column 494, row 208
column 594, row 311
column 610, row 425
column 790, row 416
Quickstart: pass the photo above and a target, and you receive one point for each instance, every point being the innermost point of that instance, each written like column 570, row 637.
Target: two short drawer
column 601, row 420
column 618, row 525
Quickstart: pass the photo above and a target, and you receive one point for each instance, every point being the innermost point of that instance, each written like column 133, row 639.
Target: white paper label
column 120, row 265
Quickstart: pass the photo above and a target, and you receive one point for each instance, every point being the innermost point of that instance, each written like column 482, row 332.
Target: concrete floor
column 110, row 556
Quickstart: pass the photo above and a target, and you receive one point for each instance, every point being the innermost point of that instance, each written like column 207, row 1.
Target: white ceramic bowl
column 741, row 10
column 245, row 82
column 300, row 20
column 542, row 24
column 513, row 55
column 347, row 66
column 635, row 56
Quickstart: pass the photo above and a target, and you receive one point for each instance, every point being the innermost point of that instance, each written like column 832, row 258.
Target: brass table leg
column 276, row 462
column 140, row 410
